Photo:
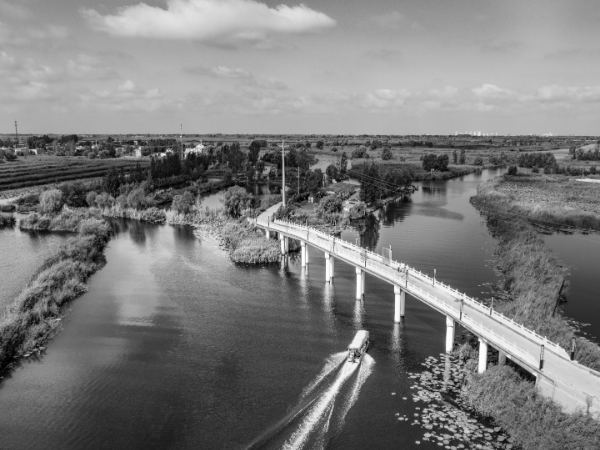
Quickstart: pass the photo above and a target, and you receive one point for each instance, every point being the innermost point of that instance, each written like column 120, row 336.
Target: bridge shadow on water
column 323, row 405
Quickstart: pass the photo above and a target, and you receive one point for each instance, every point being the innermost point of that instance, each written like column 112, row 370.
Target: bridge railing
column 354, row 252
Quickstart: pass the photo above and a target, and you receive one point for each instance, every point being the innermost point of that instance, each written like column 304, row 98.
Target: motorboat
column 358, row 346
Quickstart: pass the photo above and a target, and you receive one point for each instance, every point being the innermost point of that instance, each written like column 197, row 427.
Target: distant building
column 197, row 150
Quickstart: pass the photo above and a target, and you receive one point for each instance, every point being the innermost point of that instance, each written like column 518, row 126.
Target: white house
column 197, row 150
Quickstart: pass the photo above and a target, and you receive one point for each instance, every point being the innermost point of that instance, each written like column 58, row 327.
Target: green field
column 36, row 170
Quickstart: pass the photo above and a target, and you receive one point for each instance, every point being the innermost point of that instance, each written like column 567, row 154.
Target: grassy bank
column 32, row 318
column 532, row 274
column 244, row 243
column 533, row 421
column 549, row 201
column 416, row 171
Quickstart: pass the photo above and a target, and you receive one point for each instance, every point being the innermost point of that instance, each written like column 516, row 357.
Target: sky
column 318, row 67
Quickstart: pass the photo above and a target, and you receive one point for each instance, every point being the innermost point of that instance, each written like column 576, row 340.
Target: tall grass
column 534, row 421
column 152, row 214
column 31, row 319
column 533, row 276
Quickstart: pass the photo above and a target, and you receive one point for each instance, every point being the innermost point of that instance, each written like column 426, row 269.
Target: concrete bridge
column 567, row 382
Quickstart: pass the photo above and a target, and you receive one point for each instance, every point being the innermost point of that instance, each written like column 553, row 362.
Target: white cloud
column 14, row 10
column 209, row 20
column 394, row 21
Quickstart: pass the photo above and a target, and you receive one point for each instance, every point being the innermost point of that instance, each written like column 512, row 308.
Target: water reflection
column 359, row 314
column 328, row 304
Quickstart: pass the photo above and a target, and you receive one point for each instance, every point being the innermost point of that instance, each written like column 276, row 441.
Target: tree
column 182, row 204
column 320, row 145
column 343, row 163
column 314, row 181
column 235, row 200
column 463, row 157
column 371, row 189
column 51, row 201
column 429, row 162
column 332, row 172
column 478, row 161
column 386, row 154
column 136, row 198
column 454, row 157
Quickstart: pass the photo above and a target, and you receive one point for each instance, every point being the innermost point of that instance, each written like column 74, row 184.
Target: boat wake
column 322, row 408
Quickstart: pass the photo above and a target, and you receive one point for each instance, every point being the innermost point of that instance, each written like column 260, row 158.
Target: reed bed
column 34, row 316
column 534, row 421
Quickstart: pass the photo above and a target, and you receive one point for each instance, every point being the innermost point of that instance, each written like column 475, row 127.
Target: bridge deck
column 567, row 382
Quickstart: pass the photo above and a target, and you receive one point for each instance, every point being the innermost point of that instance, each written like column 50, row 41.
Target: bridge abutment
column 449, row 334
column 483, row 354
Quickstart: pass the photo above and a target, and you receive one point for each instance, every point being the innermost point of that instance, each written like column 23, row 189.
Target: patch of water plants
column 442, row 413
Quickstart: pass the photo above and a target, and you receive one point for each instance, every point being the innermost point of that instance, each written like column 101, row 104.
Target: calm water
column 176, row 347
column 581, row 254
column 21, row 255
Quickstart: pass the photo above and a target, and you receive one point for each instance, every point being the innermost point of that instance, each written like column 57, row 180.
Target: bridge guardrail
column 295, row 229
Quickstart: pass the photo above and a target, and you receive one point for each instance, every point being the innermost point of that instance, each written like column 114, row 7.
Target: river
column 174, row 346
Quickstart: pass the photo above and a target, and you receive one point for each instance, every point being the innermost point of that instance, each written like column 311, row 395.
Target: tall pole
column 298, row 180
column 181, row 141
column 283, row 171
column 16, row 132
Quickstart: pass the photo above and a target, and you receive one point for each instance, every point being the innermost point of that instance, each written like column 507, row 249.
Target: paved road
column 569, row 383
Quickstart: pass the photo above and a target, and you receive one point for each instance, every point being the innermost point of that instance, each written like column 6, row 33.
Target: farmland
column 37, row 170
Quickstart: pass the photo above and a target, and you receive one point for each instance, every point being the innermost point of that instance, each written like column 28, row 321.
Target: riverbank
column 30, row 321
column 533, row 278
column 416, row 171
column 69, row 219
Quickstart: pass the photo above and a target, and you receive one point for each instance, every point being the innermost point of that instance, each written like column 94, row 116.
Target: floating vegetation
column 445, row 418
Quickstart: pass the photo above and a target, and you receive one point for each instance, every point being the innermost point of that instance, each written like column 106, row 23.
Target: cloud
column 218, row 72
column 246, row 79
column 394, row 21
column 209, row 20
column 127, row 97
column 89, row 67
column 499, row 46
column 40, row 36
column 14, row 10
column 385, row 54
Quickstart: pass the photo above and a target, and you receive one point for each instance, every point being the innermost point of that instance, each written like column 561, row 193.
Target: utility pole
column 16, row 132
column 283, row 171
column 298, row 181
column 181, row 141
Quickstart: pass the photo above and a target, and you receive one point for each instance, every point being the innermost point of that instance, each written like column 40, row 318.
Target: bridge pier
column 501, row 358
column 450, row 334
column 304, row 253
column 285, row 244
column 359, row 283
column 483, row 350
column 329, row 262
column 268, row 234
column 399, row 303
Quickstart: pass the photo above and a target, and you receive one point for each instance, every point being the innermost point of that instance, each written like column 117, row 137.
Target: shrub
column 90, row 198
column 512, row 170
column 6, row 220
column 478, row 161
column 386, row 154
column 104, row 200
column 136, row 198
column 51, row 201
column 535, row 169
column 182, row 204
column 330, row 204
column 153, row 215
